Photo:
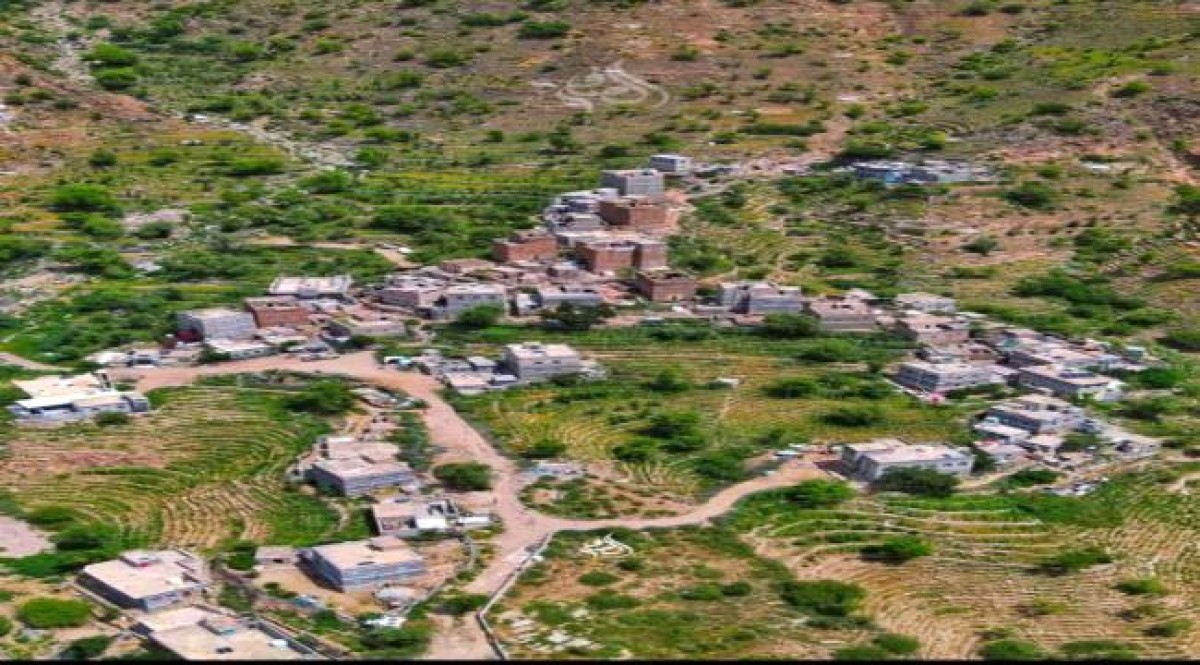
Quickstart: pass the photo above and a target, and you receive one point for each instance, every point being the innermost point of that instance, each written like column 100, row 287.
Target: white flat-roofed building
column 925, row 302
column 307, row 288
column 634, row 182
column 459, row 298
column 466, row 383
column 411, row 291
column 553, row 297
column 239, row 349
column 195, row 633
column 760, row 298
column 1002, row 454
column 870, row 461
column 934, row 330
column 147, row 580
column 944, row 377
column 364, row 564
column 356, row 476
column 1037, row 414
column 55, row 399
column 1070, row 383
column 674, row 164
column 216, row 323
column 994, row 431
column 842, row 314
column 412, row 518
column 533, row 361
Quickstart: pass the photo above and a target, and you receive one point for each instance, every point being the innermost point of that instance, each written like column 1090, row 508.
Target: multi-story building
column 972, row 352
column 148, row 581
column 525, row 245
column 870, row 461
column 459, row 298
column 411, row 291
column 926, row 302
column 363, row 564
column 1037, row 414
column 54, row 399
column 638, row 213
column 666, row 285
column 533, row 361
column 308, row 288
column 841, row 314
column 277, row 311
column 674, row 164
column 237, row 349
column 945, row 377
column 606, row 256
column 215, row 323
column 649, row 254
column 552, row 297
column 365, row 325
column 1070, row 383
column 934, row 330
column 760, row 298
column 634, row 182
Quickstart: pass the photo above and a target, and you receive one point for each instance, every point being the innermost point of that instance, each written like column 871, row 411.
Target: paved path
column 523, row 527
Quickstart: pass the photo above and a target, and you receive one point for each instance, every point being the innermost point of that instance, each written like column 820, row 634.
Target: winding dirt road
column 523, row 527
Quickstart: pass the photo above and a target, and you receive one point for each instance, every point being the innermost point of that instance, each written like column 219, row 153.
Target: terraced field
column 981, row 577
column 206, row 466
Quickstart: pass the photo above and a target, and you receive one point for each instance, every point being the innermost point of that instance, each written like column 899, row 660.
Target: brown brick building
column 638, row 213
column 606, row 256
column 277, row 311
column 666, row 286
column 526, row 245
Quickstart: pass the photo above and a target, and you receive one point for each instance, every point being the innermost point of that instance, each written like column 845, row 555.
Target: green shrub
column 1012, row 650
column 704, row 592
column 84, row 198
column 919, row 482
column 1034, row 195
column 899, row 645
column 819, row 493
column 87, row 648
column 1099, row 650
column 898, row 549
column 823, row 597
column 464, row 476
column 110, row 418
column 737, row 589
column 1072, row 561
column 544, row 29
column 611, row 600
column 1172, row 628
column 6, row 626
column 598, row 578
column 46, row 613
column 460, row 604
column 1142, row 586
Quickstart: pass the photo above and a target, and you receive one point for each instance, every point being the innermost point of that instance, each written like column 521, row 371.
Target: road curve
column 523, row 527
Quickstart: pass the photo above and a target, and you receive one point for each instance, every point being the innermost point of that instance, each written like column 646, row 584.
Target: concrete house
column 215, row 323
column 638, row 213
column 236, row 349
column 754, row 298
column 673, row 164
column 533, row 361
column 1070, row 383
column 277, row 311
column 553, row 297
column 1037, row 414
column 54, row 399
column 944, row 377
column 459, row 298
column 842, row 315
column 411, row 291
column 666, row 285
column 309, row 288
column 934, row 330
column 925, row 302
column 363, row 564
column 870, row 461
column 525, row 245
column 196, row 633
column 634, row 182
column 412, row 518
column 146, row 580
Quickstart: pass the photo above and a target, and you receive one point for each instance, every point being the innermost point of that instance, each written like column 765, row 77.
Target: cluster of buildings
column 521, row 364
column 930, row 171
column 60, row 399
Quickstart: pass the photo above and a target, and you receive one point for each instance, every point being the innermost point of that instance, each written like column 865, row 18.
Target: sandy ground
column 18, row 539
column 524, row 528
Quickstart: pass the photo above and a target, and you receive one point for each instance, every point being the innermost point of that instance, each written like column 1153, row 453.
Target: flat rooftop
column 143, row 574
column 382, row 551
column 360, row 467
column 534, row 350
column 1066, row 375
column 214, row 313
column 914, row 453
column 62, row 386
column 240, row 642
column 293, row 285
column 944, row 368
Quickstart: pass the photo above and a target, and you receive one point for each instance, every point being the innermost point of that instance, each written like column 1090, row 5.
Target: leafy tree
column 1142, row 586
column 110, row 55
column 983, row 245
column 112, row 418
column 102, row 159
column 1012, row 650
column 479, row 317
column 84, row 198
column 898, row 549
column 669, row 380
column 598, row 578
column 323, row 398
column 1030, row 477
column 791, row 388
column 1035, row 195
column 46, row 613
column 87, row 648
column 819, row 493
column 899, row 645
column 1171, row 628
column 790, row 326
column 464, row 476
column 917, row 481
column 545, row 448
column 462, row 603
column 854, row 416
column 1073, row 561
column 823, row 597
column 721, row 465
column 6, row 626
column 1184, row 339
column 1187, row 201
column 570, row 316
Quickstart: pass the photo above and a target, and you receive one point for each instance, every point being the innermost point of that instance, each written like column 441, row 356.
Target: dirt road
column 523, row 528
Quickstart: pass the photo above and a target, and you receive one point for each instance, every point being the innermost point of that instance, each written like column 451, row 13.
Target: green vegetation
column 898, row 550
column 1073, row 561
column 1012, row 650
column 47, row 613
column 823, row 597
column 919, row 482
column 464, row 476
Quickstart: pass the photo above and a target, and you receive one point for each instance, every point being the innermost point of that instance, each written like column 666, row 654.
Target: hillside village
column 563, row 330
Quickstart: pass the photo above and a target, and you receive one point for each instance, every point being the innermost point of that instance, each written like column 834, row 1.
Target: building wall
column 269, row 317
column 534, row 369
column 605, row 258
column 933, row 381
column 633, row 184
column 364, row 576
column 457, row 303
column 666, row 290
column 358, row 485
column 235, row 325
column 526, row 249
column 650, row 256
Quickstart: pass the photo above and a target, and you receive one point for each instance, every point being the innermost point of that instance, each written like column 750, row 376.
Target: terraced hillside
column 982, row 575
column 207, row 466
